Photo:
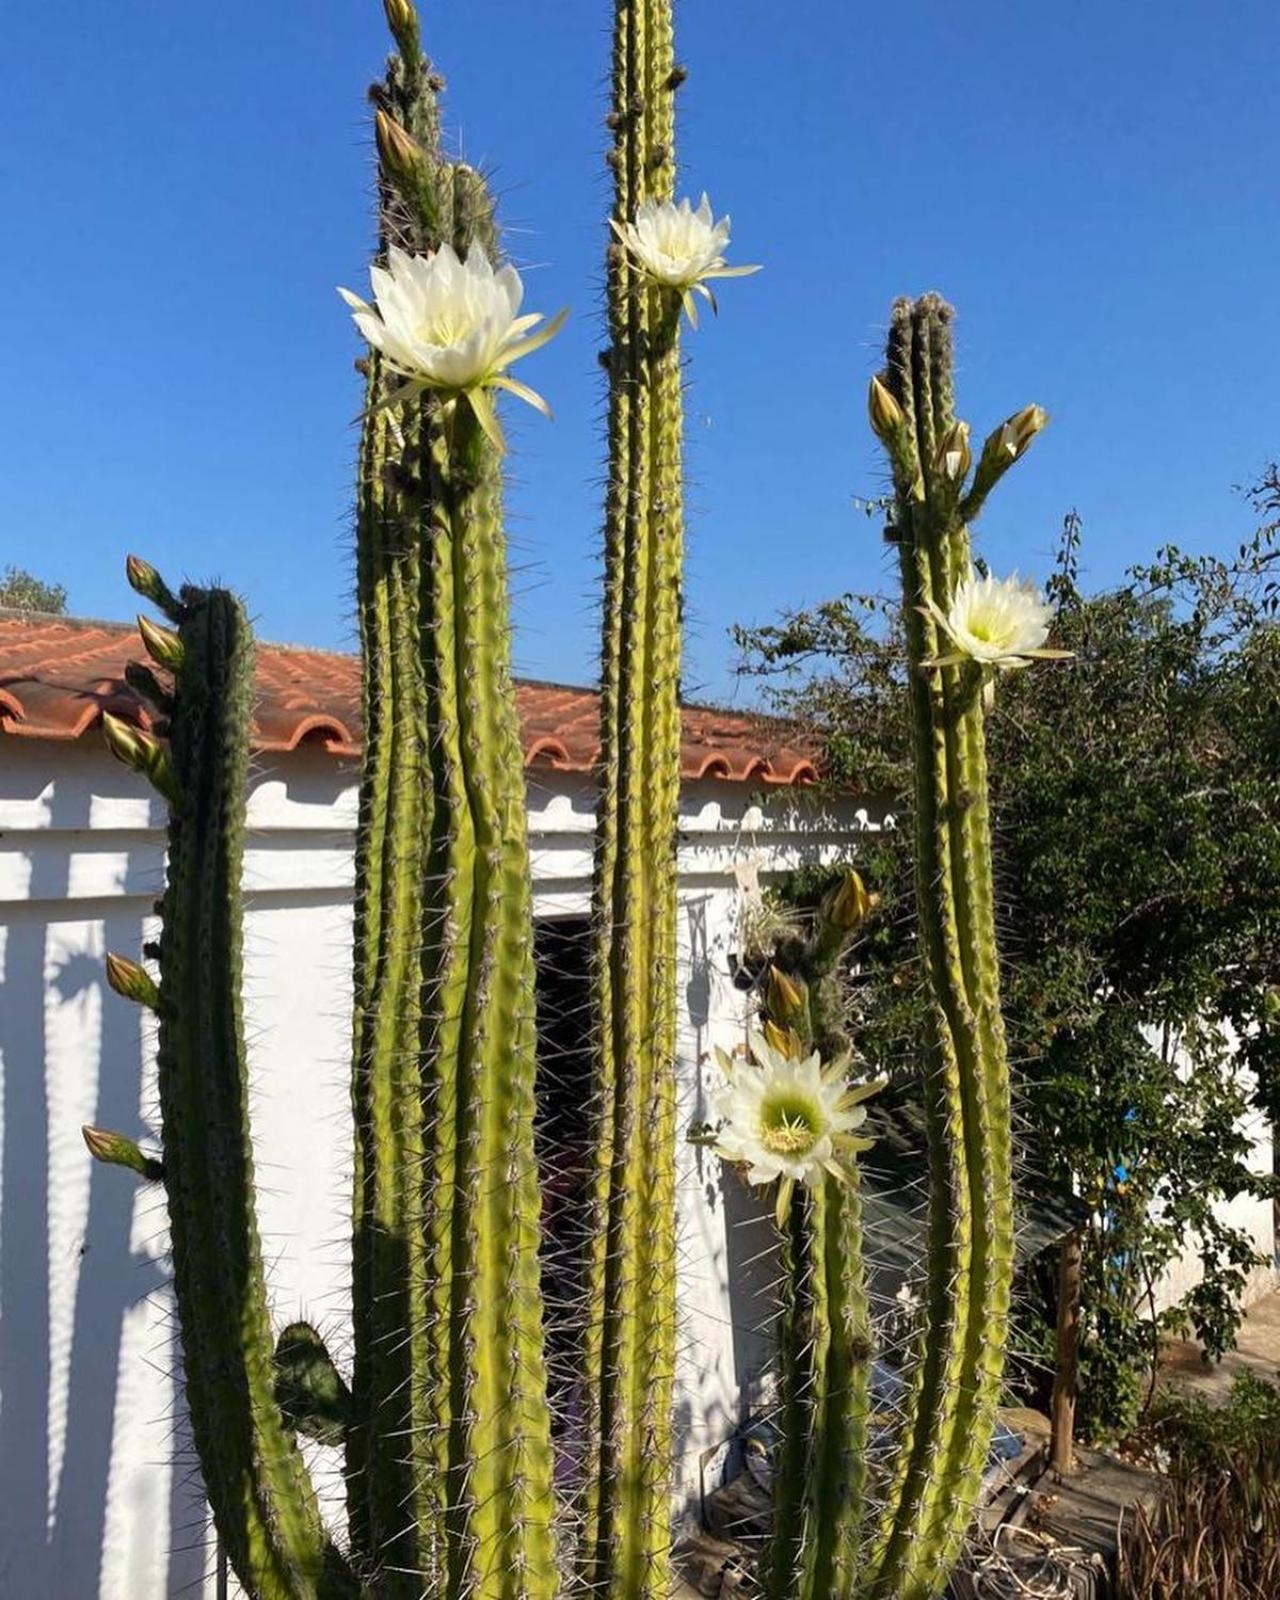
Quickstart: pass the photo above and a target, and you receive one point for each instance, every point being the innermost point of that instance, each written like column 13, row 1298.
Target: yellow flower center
column 789, row 1125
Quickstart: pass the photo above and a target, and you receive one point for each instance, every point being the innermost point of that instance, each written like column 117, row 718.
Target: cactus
column 450, row 1462
column 820, row 1479
column 630, row 1274
column 944, row 1445
column 445, row 1426
column 257, row 1483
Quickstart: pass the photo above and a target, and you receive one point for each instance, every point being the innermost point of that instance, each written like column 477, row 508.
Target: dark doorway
column 562, row 953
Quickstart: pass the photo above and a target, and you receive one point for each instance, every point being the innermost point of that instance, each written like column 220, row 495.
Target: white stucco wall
column 98, row 1495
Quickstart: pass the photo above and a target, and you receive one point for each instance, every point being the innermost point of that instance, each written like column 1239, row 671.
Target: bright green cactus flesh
column 944, row 1447
column 630, row 1302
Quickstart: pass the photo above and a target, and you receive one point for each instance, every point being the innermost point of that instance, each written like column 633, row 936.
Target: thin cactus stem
column 450, row 1468
column 825, row 1345
column 820, row 1479
column 970, row 1258
column 630, row 1299
column 263, row 1504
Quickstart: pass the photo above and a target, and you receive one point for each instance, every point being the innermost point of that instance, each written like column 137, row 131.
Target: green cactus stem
column 944, row 1446
column 825, row 1345
column 264, row 1507
column 449, row 1459
column 630, row 1300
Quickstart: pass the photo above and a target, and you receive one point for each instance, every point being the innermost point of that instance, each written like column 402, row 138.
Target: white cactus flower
column 680, row 247
column 792, row 1120
column 451, row 325
column 998, row 622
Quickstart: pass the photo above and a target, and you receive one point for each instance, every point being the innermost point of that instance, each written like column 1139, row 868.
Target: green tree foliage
column 1137, row 801
column 23, row 591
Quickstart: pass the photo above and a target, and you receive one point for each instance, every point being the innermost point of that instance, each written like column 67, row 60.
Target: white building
column 98, row 1496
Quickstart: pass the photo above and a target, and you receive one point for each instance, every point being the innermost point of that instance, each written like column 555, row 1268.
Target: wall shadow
column 52, row 1532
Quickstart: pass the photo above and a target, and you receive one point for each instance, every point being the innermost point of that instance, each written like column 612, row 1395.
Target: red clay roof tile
column 59, row 674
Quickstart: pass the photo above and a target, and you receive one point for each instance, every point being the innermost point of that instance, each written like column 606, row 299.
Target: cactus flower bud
column 146, row 581
column 850, row 904
column 401, row 17
column 162, row 644
column 785, row 997
column 402, row 157
column 886, row 414
column 954, row 455
column 143, row 753
column 1021, row 428
column 783, row 1040
column 117, row 1151
column 132, row 982
column 144, row 682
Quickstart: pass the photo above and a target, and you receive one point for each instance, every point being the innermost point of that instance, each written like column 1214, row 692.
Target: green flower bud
column 146, row 581
column 132, row 982
column 785, row 997
column 115, row 1150
column 403, row 158
column 850, row 904
column 887, row 417
column 162, row 644
column 142, row 752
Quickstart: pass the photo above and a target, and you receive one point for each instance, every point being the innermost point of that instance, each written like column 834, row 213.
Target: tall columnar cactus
column 820, row 1479
column 630, row 1302
column 255, row 1477
column 450, row 1467
column 971, row 1233
column 445, row 1426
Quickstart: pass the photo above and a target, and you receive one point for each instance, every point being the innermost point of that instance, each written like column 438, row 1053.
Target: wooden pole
column 1066, row 1375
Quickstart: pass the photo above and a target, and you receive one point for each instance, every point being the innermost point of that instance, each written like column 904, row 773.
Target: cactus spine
column 970, row 1258
column 630, row 1312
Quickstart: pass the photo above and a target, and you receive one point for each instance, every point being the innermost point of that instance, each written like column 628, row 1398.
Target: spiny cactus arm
column 454, row 1469
column 825, row 1345
column 803, row 1345
column 263, row 1503
column 483, row 1048
column 970, row 1259
column 395, row 1480
column 630, row 1339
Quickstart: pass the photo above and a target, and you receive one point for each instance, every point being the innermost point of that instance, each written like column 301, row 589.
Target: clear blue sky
column 1094, row 185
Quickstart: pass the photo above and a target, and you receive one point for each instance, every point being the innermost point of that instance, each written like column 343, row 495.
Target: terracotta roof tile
column 58, row 675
